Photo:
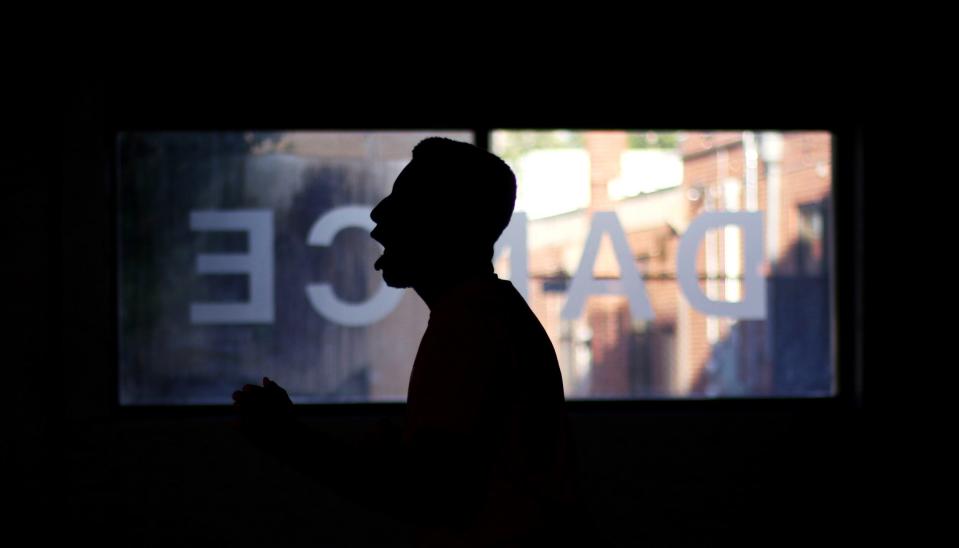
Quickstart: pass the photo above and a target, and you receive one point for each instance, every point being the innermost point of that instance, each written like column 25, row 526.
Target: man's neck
column 433, row 291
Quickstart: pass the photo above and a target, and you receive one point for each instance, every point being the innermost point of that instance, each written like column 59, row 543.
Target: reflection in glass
column 243, row 255
column 246, row 254
column 657, row 184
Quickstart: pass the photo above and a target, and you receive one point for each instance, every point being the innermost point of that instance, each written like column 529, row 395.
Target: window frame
column 844, row 253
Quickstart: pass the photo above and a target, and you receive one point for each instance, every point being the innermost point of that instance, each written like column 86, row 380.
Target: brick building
column 604, row 353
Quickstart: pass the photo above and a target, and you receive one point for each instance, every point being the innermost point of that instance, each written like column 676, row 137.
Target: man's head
column 448, row 207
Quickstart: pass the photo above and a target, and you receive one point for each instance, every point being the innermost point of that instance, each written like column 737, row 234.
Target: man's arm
column 366, row 470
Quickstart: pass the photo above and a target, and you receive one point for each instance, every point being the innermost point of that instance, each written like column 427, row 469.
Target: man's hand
column 266, row 413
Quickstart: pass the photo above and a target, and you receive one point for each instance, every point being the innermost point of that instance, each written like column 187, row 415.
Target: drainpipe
column 771, row 151
column 751, row 176
column 749, row 364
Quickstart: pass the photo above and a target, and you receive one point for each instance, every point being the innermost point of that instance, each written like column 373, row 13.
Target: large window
column 662, row 264
column 248, row 254
column 678, row 264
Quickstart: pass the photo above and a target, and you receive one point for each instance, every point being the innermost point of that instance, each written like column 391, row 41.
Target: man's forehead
column 402, row 180
column 412, row 178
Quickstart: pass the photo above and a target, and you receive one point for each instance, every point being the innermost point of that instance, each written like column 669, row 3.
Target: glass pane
column 676, row 264
column 681, row 264
column 244, row 254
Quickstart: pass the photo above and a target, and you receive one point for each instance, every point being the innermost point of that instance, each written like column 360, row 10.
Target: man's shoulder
column 493, row 312
column 502, row 307
column 487, row 297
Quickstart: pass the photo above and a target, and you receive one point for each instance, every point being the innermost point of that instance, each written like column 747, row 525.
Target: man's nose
column 379, row 212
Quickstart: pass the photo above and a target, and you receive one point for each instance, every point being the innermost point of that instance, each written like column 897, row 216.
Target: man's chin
column 394, row 279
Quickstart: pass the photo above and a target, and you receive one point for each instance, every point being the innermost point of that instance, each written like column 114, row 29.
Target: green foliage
column 512, row 145
column 653, row 139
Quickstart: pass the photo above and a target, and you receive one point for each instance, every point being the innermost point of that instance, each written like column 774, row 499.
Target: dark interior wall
column 657, row 475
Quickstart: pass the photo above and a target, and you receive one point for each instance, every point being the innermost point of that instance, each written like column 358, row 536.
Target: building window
column 811, row 241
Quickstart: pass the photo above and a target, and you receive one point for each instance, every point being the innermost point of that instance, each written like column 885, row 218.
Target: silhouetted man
column 484, row 457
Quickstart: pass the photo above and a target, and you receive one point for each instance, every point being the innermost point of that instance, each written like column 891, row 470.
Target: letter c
column 321, row 295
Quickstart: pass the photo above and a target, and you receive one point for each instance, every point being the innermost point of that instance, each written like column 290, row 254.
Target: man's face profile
column 447, row 207
column 400, row 220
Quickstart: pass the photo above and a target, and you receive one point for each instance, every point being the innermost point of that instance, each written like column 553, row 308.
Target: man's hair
column 481, row 185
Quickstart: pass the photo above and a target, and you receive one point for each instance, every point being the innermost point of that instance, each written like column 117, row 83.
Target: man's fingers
column 261, row 401
column 270, row 384
column 248, row 397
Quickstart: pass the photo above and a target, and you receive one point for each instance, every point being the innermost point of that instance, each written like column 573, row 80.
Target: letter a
column 630, row 283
